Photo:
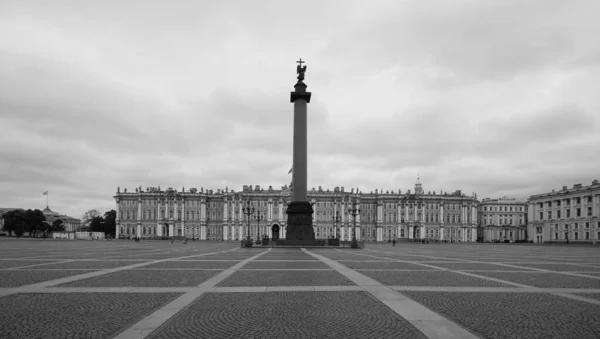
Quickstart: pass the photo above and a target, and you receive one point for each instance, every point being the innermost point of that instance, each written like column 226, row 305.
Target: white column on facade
column 423, row 212
column 441, row 233
column 379, row 212
column 410, row 232
column 203, row 220
column 225, row 229
column 158, row 216
column 270, row 212
column 118, row 219
column 442, row 214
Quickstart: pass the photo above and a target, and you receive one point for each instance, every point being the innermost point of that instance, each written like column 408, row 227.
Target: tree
column 15, row 221
column 57, row 226
column 97, row 224
column 110, row 222
column 87, row 218
column 36, row 219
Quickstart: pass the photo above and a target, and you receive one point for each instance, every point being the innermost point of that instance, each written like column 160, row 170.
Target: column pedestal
column 299, row 229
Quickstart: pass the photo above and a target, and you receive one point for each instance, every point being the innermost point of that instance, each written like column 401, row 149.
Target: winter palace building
column 218, row 215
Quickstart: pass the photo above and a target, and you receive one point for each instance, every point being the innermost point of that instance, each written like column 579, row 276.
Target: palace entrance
column 275, row 232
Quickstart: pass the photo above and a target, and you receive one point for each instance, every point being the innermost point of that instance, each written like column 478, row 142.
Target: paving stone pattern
column 19, row 278
column 428, row 278
column 541, row 279
column 461, row 266
column 515, row 315
column 74, row 315
column 285, row 278
column 286, row 264
column 85, row 265
column 18, row 263
column 287, row 315
column 193, row 264
column 382, row 265
column 562, row 267
column 150, row 278
column 289, row 293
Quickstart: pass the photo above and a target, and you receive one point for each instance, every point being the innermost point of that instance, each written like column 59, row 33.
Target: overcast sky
column 494, row 97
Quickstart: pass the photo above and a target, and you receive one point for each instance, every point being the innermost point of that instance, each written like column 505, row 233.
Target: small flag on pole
column 45, row 193
column 290, row 170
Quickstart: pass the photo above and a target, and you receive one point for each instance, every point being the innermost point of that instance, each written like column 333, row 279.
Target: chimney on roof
column 577, row 186
column 595, row 182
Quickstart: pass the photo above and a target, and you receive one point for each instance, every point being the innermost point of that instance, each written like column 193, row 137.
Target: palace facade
column 568, row 215
column 219, row 215
column 502, row 219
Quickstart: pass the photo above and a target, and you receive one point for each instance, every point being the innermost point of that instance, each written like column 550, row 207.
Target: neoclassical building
column 502, row 219
column 218, row 215
column 571, row 214
column 71, row 224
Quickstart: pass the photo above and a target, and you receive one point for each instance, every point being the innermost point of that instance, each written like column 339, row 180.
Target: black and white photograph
column 300, row 169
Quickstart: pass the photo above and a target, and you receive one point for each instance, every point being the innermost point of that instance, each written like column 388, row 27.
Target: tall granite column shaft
column 299, row 225
column 300, row 98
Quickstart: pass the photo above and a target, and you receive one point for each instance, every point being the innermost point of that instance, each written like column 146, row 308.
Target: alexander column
column 299, row 226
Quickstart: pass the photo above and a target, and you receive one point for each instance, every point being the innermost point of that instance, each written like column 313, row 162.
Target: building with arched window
column 218, row 215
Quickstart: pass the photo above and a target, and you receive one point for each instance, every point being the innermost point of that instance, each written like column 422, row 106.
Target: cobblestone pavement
column 389, row 265
column 515, row 315
column 287, row 315
column 285, row 278
column 542, row 279
column 87, row 264
column 484, row 290
column 285, row 264
column 20, row 263
column 149, row 278
column 19, row 278
column 194, row 264
column 74, row 315
column 428, row 278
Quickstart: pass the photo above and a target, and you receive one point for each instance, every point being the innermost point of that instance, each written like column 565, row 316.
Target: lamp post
column 248, row 211
column 336, row 220
column 259, row 217
column 354, row 212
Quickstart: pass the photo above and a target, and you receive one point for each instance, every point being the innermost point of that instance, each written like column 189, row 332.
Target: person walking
column 394, row 242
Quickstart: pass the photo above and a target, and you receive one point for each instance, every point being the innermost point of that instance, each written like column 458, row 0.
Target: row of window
column 567, row 201
column 568, row 213
column 564, row 236
column 506, row 209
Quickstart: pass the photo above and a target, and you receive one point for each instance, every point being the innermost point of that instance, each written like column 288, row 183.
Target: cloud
column 493, row 98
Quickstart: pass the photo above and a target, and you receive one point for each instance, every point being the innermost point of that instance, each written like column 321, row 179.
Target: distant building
column 217, row 215
column 71, row 224
column 568, row 215
column 502, row 219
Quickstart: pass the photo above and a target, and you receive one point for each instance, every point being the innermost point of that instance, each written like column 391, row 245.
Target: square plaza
column 156, row 289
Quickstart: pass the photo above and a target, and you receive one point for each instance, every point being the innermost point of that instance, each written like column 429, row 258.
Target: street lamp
column 259, row 217
column 248, row 210
column 336, row 220
column 354, row 212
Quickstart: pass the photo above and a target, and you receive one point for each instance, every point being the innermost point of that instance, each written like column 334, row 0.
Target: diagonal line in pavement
column 98, row 273
column 425, row 320
column 147, row 325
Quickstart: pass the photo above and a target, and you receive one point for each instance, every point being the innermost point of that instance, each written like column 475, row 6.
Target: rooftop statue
column 300, row 70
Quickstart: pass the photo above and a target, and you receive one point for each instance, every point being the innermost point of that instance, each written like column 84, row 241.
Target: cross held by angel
column 300, row 69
